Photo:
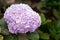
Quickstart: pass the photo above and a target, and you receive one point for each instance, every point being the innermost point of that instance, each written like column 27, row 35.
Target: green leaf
column 57, row 37
column 0, row 30
column 3, row 23
column 3, row 26
column 56, row 14
column 55, row 29
column 1, row 37
column 33, row 36
column 47, row 21
column 11, row 37
column 56, row 26
column 44, row 36
column 43, row 19
column 1, row 15
column 40, row 4
column 22, row 37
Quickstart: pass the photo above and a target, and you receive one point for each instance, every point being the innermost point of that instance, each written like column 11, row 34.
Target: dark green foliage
column 33, row 36
column 11, row 37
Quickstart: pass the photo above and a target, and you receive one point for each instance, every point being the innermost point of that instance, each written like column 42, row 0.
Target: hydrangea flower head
column 21, row 18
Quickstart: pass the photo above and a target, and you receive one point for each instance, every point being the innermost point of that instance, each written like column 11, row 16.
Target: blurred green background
column 49, row 10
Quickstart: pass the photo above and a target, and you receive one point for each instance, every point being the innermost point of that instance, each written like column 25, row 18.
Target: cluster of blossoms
column 21, row 18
